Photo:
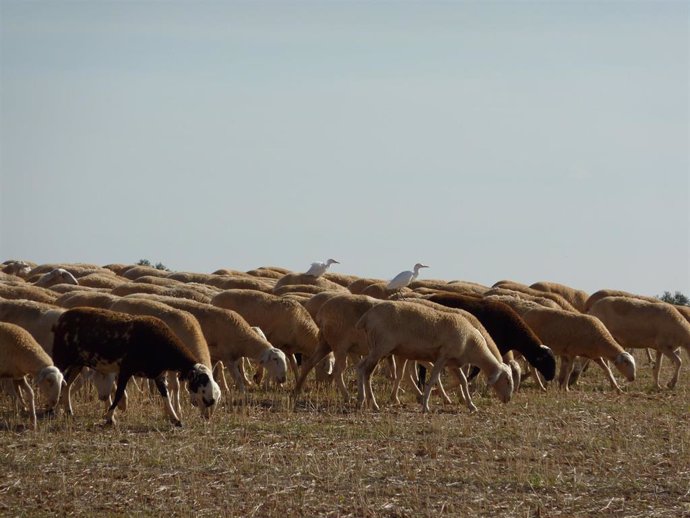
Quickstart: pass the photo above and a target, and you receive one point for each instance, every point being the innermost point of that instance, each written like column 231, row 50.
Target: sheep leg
column 292, row 361
column 401, row 368
column 17, row 396
column 174, row 391
column 674, row 356
column 322, row 350
column 464, row 388
column 237, row 376
column 32, row 407
column 339, row 374
column 602, row 363
column 219, row 375
column 433, row 379
column 122, row 380
column 167, row 406
column 71, row 374
column 567, row 364
column 364, row 371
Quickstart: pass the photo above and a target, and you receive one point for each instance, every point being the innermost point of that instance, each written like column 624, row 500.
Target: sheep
column 340, row 278
column 314, row 303
column 265, row 273
column 28, row 292
column 61, row 289
column 446, row 339
column 20, row 356
column 140, row 270
column 161, row 281
column 357, row 286
column 303, row 278
column 17, row 268
column 302, row 289
column 98, row 280
column 577, row 298
column 571, row 334
column 76, row 269
column 598, row 295
column 245, row 282
column 130, row 345
column 637, row 323
column 509, row 331
column 189, row 277
column 56, row 276
column 230, row 338
column 541, row 301
column 137, row 287
column 228, row 271
column 86, row 298
column 336, row 321
column 117, row 268
column 521, row 288
column 37, row 318
column 286, row 323
column 184, row 325
column 188, row 292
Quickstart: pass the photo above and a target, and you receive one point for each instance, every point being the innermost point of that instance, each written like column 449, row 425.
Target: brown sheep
column 577, row 298
column 230, row 338
column 28, row 292
column 571, row 334
column 140, row 270
column 415, row 332
column 357, row 286
column 21, row 355
column 521, row 288
column 87, row 299
column 637, row 323
column 241, row 282
column 285, row 322
column 98, row 280
column 598, row 295
column 303, row 278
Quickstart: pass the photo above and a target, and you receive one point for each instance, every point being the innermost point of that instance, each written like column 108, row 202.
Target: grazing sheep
column 304, row 278
column 86, row 298
column 575, row 334
column 56, row 276
column 577, row 298
column 137, row 287
column 230, row 338
column 21, row 355
column 98, row 280
column 379, row 290
column 285, row 322
column 509, row 331
column 314, row 303
column 243, row 282
column 195, row 293
column 130, row 345
column 301, row 288
column 541, row 301
column 414, row 332
column 532, row 293
column 17, row 268
column 186, row 328
column 340, row 278
column 28, row 292
column 336, row 321
column 201, row 278
column 161, row 281
column 265, row 273
column 140, row 270
column 68, row 288
column 637, row 323
column 358, row 285
column 37, row 318
column 598, row 295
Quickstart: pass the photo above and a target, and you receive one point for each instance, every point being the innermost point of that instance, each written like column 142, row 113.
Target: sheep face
column 502, row 383
column 50, row 382
column 275, row 362
column 203, row 390
column 625, row 363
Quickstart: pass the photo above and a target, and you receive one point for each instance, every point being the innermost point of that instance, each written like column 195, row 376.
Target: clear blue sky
column 489, row 140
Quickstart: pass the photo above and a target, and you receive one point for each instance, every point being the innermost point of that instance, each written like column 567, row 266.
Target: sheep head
column 50, row 381
column 502, row 382
column 545, row 362
column 204, row 392
column 625, row 363
column 275, row 362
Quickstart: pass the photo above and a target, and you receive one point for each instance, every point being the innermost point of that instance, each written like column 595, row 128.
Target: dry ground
column 584, row 453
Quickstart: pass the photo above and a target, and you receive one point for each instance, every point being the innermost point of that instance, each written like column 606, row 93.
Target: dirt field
column 590, row 452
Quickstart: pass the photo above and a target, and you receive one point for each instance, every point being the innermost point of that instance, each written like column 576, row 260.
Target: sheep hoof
column 177, row 423
column 472, row 409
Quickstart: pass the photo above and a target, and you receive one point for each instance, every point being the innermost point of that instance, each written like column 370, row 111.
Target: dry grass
column 585, row 453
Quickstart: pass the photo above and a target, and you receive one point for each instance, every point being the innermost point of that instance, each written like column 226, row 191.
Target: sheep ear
column 64, row 383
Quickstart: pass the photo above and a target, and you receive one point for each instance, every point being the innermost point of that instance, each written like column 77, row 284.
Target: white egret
column 404, row 278
column 318, row 269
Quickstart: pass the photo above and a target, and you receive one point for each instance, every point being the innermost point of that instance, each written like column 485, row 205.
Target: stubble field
column 584, row 453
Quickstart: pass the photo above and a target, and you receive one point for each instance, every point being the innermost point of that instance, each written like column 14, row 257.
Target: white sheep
column 56, row 276
column 21, row 355
column 415, row 332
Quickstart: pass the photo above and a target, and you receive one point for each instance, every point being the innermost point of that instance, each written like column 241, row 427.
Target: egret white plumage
column 318, row 269
column 405, row 278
